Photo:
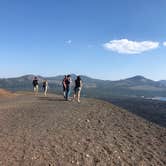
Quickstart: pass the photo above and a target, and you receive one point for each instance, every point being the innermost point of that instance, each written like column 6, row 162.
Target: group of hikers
column 36, row 86
column 66, row 84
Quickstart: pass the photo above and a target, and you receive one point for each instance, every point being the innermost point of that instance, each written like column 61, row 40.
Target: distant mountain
column 134, row 86
column 162, row 82
column 136, row 81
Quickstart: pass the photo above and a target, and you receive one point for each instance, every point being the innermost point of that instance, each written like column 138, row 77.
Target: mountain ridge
column 31, row 76
column 133, row 86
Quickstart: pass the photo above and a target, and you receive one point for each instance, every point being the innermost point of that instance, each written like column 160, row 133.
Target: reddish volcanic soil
column 48, row 131
column 5, row 93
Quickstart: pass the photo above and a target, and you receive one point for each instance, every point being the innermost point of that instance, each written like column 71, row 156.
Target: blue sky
column 105, row 39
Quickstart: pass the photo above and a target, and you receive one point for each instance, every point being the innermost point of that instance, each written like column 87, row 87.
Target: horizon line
column 39, row 75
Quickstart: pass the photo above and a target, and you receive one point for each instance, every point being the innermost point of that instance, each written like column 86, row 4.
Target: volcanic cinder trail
column 48, row 131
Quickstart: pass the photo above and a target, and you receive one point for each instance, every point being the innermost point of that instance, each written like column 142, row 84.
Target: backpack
column 44, row 84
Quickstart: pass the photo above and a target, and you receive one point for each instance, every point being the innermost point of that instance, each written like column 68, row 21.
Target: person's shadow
column 51, row 98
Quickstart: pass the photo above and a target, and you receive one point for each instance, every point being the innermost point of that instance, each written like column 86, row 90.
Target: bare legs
column 77, row 95
column 45, row 91
column 35, row 89
column 64, row 94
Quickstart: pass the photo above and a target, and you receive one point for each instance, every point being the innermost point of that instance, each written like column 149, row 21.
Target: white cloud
column 164, row 43
column 68, row 42
column 126, row 46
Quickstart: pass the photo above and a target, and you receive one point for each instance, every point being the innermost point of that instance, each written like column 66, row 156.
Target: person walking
column 64, row 86
column 35, row 86
column 77, row 88
column 68, row 82
column 45, row 87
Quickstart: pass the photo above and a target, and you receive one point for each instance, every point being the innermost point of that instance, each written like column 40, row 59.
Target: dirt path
column 47, row 131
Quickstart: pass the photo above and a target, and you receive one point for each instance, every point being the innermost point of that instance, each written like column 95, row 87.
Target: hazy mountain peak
column 137, row 77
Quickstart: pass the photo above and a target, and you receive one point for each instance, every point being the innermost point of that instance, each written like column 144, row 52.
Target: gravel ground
column 48, row 131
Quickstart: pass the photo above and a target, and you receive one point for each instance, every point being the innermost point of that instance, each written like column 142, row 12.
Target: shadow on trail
column 51, row 99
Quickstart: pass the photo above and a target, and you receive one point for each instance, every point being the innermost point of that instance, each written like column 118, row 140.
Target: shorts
column 77, row 90
column 64, row 89
column 35, row 88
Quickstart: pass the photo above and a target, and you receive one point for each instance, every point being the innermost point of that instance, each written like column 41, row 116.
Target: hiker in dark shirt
column 64, row 86
column 68, row 82
column 45, row 87
column 77, row 88
column 35, row 85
